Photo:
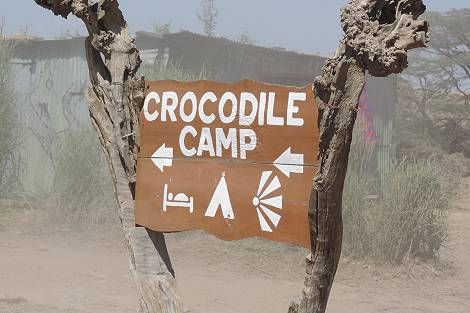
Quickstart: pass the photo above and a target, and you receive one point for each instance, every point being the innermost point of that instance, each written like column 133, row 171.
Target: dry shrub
column 456, row 164
column 358, row 186
column 82, row 192
column 407, row 218
column 411, row 217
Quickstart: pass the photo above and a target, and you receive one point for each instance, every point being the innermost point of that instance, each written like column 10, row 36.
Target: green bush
column 407, row 219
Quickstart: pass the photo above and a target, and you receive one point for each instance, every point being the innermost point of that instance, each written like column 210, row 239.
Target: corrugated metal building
column 51, row 76
column 231, row 61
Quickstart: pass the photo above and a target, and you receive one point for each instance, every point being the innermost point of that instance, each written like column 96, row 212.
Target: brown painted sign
column 236, row 160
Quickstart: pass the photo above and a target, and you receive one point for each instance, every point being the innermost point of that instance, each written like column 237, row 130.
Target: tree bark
column 115, row 100
column 326, row 224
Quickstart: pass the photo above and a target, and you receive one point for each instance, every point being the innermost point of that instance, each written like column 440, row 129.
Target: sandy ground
column 84, row 274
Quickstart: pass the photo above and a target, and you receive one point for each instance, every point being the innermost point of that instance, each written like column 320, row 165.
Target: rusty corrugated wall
column 386, row 101
column 229, row 61
column 376, row 115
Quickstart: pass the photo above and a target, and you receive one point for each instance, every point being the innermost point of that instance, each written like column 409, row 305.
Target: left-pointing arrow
column 163, row 157
column 289, row 162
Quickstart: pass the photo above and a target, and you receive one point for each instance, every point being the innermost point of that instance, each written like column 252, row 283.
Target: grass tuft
column 406, row 220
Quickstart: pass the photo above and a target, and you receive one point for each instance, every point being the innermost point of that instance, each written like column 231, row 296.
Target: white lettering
column 191, row 97
column 187, row 130
column 205, row 143
column 273, row 120
column 151, row 116
column 262, row 108
column 226, row 97
column 292, row 109
column 169, row 108
column 244, row 145
column 244, row 118
column 208, row 96
column 226, row 141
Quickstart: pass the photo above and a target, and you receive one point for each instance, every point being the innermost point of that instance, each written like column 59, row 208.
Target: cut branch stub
column 379, row 33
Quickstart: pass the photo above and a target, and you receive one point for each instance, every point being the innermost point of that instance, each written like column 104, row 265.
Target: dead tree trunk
column 115, row 100
column 378, row 34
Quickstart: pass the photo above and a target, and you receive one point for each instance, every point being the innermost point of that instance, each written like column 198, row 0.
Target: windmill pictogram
column 266, row 202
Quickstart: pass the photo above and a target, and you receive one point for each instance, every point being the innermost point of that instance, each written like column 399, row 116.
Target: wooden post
column 115, row 100
column 378, row 34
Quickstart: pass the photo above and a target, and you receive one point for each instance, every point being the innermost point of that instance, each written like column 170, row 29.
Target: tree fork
column 378, row 34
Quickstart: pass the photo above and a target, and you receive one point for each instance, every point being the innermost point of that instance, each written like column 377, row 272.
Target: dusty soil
column 70, row 273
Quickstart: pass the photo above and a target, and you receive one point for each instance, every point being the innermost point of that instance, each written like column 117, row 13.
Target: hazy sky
column 310, row 26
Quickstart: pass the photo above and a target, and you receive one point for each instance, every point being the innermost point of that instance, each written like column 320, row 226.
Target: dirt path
column 68, row 274
column 63, row 273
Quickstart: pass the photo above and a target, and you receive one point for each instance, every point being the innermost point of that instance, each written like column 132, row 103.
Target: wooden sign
column 236, row 160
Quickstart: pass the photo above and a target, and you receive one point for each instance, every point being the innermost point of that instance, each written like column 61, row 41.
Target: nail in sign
column 236, row 160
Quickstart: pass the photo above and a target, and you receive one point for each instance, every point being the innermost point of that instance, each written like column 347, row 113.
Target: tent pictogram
column 221, row 198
